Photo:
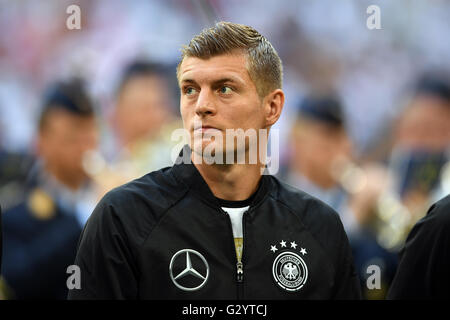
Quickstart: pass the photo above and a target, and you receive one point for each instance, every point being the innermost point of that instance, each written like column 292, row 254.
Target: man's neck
column 320, row 178
column 71, row 182
column 232, row 182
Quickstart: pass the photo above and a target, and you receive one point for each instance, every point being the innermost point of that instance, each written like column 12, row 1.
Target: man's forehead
column 230, row 65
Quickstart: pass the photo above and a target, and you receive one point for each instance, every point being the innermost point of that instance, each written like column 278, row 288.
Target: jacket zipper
column 239, row 264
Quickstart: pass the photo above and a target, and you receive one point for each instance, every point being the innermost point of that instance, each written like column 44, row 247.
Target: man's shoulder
column 318, row 219
column 37, row 208
column 438, row 216
column 157, row 188
column 310, row 209
column 441, row 210
column 141, row 201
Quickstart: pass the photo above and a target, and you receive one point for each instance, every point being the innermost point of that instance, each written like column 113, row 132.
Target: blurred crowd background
column 365, row 127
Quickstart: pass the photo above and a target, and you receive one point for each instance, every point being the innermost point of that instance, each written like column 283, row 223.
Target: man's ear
column 273, row 105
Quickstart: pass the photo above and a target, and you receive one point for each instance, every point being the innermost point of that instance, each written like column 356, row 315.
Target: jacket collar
column 186, row 172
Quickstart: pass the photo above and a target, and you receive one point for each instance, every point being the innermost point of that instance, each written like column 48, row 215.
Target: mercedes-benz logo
column 189, row 270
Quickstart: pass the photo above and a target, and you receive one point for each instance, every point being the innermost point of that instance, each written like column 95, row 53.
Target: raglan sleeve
column 423, row 270
column 105, row 260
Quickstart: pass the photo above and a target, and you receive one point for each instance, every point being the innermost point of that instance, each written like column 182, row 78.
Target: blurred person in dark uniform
column 321, row 156
column 319, row 140
column 421, row 145
column 419, row 163
column 423, row 271
column 41, row 232
column 418, row 156
column 322, row 164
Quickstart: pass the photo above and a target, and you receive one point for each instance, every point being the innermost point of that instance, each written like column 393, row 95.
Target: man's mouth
column 206, row 129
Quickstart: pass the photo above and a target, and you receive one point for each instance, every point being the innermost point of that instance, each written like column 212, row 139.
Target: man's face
column 218, row 93
column 142, row 108
column 425, row 125
column 64, row 140
column 316, row 148
column 421, row 138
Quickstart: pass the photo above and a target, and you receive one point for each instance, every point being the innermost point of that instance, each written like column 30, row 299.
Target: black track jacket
column 164, row 236
column 423, row 271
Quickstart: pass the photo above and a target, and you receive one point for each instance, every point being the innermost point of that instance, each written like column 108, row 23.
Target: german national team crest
column 289, row 269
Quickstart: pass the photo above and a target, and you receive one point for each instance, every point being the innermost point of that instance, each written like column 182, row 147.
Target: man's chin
column 208, row 152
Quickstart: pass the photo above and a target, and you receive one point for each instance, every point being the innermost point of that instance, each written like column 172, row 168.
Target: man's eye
column 189, row 91
column 226, row 90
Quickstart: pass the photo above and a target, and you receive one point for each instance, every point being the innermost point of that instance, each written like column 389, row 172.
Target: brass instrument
column 141, row 157
column 393, row 221
column 106, row 176
column 390, row 219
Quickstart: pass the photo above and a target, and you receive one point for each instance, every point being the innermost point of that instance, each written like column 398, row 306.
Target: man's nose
column 205, row 103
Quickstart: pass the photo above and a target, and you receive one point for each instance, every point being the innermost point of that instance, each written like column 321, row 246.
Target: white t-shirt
column 236, row 223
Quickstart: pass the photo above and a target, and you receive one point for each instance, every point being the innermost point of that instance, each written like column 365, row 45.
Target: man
column 321, row 163
column 319, row 144
column 423, row 271
column 141, row 122
column 420, row 160
column 143, row 117
column 41, row 232
column 421, row 144
column 202, row 230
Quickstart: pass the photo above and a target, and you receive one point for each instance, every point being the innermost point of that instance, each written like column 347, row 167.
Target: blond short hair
column 263, row 63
